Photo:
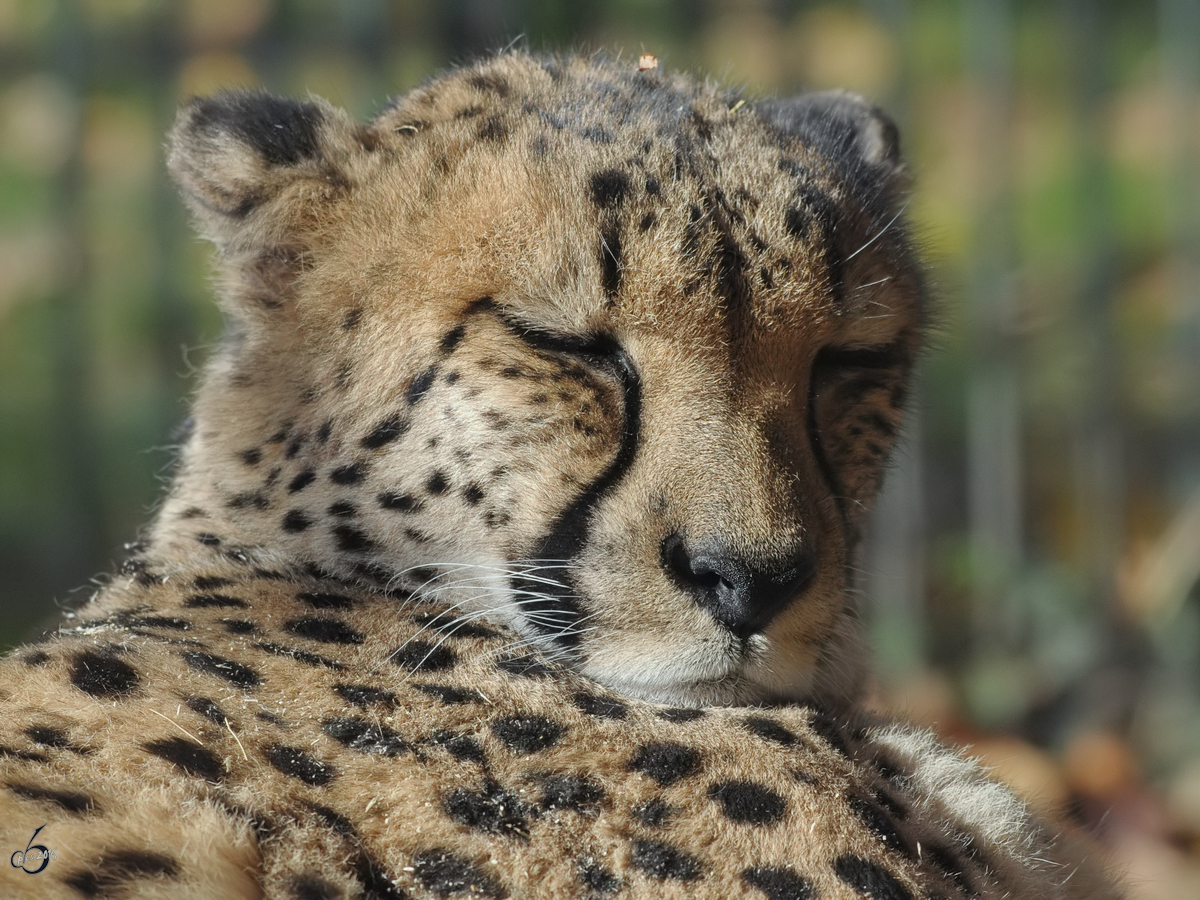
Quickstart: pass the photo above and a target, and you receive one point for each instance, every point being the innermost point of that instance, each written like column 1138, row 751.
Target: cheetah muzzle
column 510, row 551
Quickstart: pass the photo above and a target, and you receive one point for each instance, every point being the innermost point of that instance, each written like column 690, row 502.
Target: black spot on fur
column 160, row 622
column 597, row 877
column 797, row 222
column 405, row 503
column 490, row 82
column 571, row 792
column 351, row 319
column 452, row 627
column 609, row 188
column 770, row 730
column 420, row 656
column 526, row 666
column 869, row 879
column 351, row 473
column 303, row 656
column 492, row 810
column 662, row 861
column 680, row 716
column 461, row 746
column 362, row 695
column 36, row 658
column 327, row 631
column 284, row 132
column 141, row 572
column 103, row 675
column 437, row 484
column 493, row 128
column 365, row 736
column 26, row 755
column 248, row 500
column 188, row 756
column 420, row 386
column 207, row 708
column 301, row 481
column 610, row 259
column 334, row 820
column 385, row 432
column 297, row 763
column 71, row 801
column 217, row 601
column 46, row 736
column 666, row 763
column 779, row 883
column 527, row 734
column 251, row 457
column 325, row 600
column 313, row 887
column 452, row 338
column 828, row 730
column 111, row 873
column 747, row 802
column 239, row 626
column 352, row 540
column 295, row 521
column 654, row 813
column 225, row 669
column 447, row 875
column 211, row 582
column 877, row 822
column 473, row 494
column 601, row 707
column 451, row 695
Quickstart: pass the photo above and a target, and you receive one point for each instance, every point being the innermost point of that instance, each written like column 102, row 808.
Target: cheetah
column 510, row 550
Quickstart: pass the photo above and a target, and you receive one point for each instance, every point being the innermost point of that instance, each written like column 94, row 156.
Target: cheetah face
column 621, row 375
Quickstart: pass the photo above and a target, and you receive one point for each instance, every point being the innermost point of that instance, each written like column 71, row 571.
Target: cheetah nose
column 742, row 596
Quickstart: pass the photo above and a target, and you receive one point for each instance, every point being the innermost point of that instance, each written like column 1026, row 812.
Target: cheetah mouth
column 736, row 675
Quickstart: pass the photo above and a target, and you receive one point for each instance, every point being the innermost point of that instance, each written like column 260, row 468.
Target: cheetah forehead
column 691, row 198
column 584, row 186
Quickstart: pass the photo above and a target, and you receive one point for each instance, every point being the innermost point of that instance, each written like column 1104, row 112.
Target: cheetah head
column 612, row 356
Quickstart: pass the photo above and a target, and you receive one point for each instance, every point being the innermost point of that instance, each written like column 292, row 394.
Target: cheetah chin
column 510, row 550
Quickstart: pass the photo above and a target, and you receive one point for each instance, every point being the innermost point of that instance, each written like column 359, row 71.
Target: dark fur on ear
column 235, row 152
column 252, row 167
column 855, row 136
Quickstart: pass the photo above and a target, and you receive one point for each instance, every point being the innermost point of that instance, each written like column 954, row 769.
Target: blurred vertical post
column 1180, row 25
column 994, row 410
column 78, row 546
column 895, row 576
column 1098, row 453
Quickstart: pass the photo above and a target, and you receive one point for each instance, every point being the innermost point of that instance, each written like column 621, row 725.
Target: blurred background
column 1031, row 581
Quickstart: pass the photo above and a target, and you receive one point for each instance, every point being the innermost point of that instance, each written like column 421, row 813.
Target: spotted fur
column 509, row 553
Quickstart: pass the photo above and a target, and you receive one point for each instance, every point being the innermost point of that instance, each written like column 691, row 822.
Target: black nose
column 743, row 596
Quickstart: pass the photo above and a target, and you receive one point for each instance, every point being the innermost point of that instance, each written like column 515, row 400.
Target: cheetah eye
column 600, row 349
column 835, row 360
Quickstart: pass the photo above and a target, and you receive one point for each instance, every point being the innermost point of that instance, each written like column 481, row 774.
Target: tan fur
column 504, row 364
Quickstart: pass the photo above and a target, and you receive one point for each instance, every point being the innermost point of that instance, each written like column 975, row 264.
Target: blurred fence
column 1038, row 545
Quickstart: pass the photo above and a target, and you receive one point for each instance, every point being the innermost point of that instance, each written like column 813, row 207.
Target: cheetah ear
column 250, row 165
column 851, row 132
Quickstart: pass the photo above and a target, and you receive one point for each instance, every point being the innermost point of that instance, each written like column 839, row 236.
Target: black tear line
column 568, row 533
column 831, row 483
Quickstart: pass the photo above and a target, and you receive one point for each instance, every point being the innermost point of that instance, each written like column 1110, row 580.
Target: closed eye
column 593, row 348
column 837, row 359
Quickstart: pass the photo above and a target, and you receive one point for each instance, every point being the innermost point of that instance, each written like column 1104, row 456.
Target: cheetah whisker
column 879, row 233
column 177, row 725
